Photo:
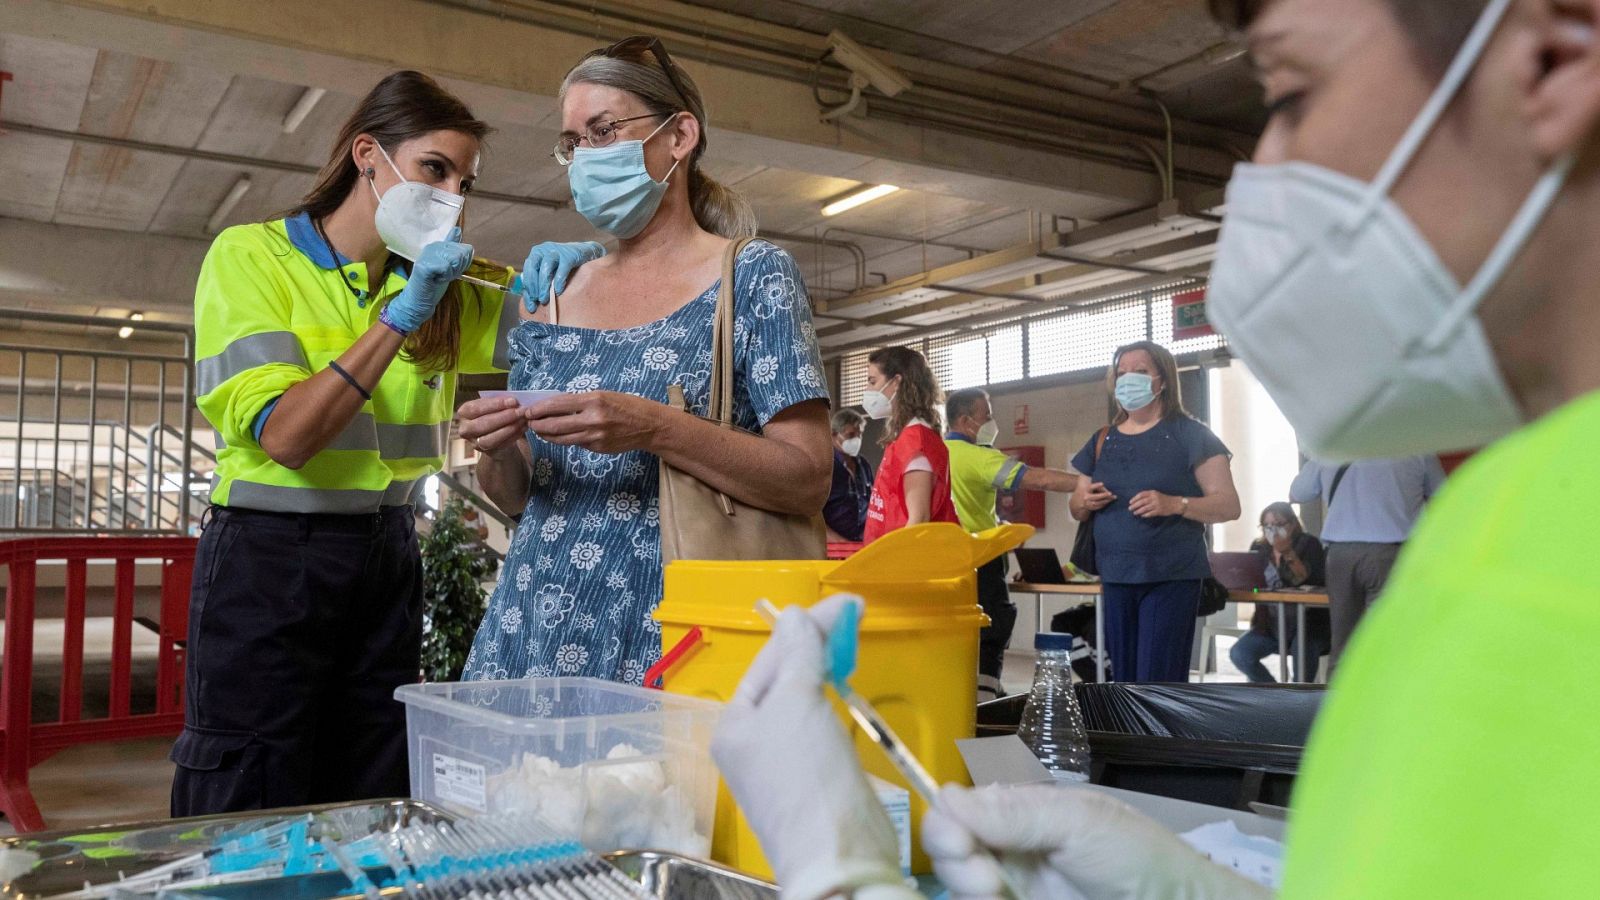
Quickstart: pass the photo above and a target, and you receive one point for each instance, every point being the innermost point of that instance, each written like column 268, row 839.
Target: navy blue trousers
column 1150, row 629
column 300, row 629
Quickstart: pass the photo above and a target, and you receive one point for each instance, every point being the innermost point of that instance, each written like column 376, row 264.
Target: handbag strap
column 720, row 408
column 1337, row 477
column 1101, row 441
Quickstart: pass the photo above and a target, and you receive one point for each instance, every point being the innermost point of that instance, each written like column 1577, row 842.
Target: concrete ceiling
column 1171, row 47
column 172, row 108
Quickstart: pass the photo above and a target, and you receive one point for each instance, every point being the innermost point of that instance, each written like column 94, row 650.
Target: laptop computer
column 1040, row 565
column 1239, row 571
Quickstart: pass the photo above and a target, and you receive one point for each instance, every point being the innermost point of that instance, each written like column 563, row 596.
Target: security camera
column 864, row 65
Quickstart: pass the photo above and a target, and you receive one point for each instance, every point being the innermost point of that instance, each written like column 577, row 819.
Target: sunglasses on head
column 634, row 49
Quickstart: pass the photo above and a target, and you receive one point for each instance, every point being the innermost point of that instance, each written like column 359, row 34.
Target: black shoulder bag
column 1083, row 543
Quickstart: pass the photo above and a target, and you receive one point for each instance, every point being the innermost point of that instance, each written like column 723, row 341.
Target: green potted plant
column 453, row 569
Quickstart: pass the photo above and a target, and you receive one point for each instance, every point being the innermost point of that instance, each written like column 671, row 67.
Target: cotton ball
column 622, row 802
column 644, row 778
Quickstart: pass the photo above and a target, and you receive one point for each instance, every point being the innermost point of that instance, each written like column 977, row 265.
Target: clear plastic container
column 616, row 766
column 1052, row 723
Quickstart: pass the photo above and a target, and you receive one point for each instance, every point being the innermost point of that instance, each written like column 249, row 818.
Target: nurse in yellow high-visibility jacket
column 328, row 346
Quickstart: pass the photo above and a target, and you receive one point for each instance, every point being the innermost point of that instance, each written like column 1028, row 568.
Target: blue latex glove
column 439, row 263
column 551, row 264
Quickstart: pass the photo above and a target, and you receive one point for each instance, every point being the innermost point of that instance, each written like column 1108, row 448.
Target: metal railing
column 426, row 513
column 99, row 440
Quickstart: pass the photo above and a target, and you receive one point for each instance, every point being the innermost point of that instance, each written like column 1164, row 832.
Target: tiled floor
column 128, row 781
column 1017, row 676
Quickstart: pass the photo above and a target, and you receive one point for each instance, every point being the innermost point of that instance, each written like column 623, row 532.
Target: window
column 1005, row 355
column 1060, row 343
column 1079, row 341
column 852, row 379
column 960, row 361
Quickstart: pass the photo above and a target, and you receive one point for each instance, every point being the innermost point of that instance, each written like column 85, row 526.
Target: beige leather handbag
column 701, row 522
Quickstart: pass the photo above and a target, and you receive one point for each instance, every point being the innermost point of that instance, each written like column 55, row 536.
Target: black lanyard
column 344, row 278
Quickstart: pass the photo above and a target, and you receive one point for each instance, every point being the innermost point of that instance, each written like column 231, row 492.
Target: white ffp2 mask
column 988, row 433
column 411, row 215
column 877, row 405
column 1345, row 313
column 851, row 446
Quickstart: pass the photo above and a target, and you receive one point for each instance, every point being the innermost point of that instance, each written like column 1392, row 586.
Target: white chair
column 1208, row 641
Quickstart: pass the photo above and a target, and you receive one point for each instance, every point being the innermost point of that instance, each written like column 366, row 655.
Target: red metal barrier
column 843, row 549
column 23, row 743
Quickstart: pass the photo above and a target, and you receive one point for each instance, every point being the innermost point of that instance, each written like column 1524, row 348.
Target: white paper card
column 523, row 398
column 1002, row 760
column 1259, row 859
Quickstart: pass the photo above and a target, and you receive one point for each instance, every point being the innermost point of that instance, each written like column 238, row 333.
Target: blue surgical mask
column 1135, row 391
column 612, row 188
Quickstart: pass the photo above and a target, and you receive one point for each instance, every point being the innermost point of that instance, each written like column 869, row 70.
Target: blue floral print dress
column 583, row 574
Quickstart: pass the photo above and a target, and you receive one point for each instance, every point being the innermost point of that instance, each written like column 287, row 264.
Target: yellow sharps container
column 918, row 660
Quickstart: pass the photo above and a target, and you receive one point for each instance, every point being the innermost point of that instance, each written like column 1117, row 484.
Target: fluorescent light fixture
column 127, row 330
column 301, row 109
column 856, row 198
column 225, row 208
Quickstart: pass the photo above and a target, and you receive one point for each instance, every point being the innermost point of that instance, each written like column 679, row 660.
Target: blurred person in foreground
column 1414, row 329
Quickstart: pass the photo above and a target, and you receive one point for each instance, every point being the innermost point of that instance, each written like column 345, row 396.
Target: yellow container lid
column 916, row 577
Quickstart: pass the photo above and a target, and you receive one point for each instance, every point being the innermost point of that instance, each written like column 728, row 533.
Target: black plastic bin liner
column 1221, row 744
column 1237, row 713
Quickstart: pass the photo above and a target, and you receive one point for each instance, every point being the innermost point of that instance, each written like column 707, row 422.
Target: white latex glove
column 1067, row 842
column 794, row 771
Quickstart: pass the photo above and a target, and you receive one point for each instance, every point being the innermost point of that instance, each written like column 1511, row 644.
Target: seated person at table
column 1291, row 559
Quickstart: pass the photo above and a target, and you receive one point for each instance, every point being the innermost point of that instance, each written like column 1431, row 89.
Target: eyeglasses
column 632, row 49
column 599, row 134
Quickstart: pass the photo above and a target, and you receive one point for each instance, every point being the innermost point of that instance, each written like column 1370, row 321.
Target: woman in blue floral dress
column 584, row 573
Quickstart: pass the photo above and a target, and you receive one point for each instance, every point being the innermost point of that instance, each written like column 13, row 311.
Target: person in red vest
column 913, row 482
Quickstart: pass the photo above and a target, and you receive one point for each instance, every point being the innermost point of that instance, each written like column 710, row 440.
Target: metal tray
column 668, row 875
column 103, row 854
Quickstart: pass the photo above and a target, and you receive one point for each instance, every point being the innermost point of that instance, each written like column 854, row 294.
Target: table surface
column 1092, row 588
column 1306, row 598
column 1082, row 588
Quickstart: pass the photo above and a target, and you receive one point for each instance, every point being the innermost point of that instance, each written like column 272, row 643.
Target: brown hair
column 1285, row 512
column 717, row 208
column 918, row 396
column 1171, row 394
column 403, row 106
column 1436, row 28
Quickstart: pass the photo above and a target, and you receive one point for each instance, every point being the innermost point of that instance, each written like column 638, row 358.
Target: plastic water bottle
column 1052, row 723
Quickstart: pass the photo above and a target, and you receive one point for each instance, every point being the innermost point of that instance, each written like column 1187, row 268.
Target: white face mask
column 411, row 215
column 989, row 433
column 850, row 446
column 1346, row 315
column 877, row 405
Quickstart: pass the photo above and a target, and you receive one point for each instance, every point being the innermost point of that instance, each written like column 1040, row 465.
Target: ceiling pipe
column 853, row 249
column 796, row 60
column 1072, row 302
column 249, row 162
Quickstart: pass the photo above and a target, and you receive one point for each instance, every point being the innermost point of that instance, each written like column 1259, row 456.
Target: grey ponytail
column 717, row 208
